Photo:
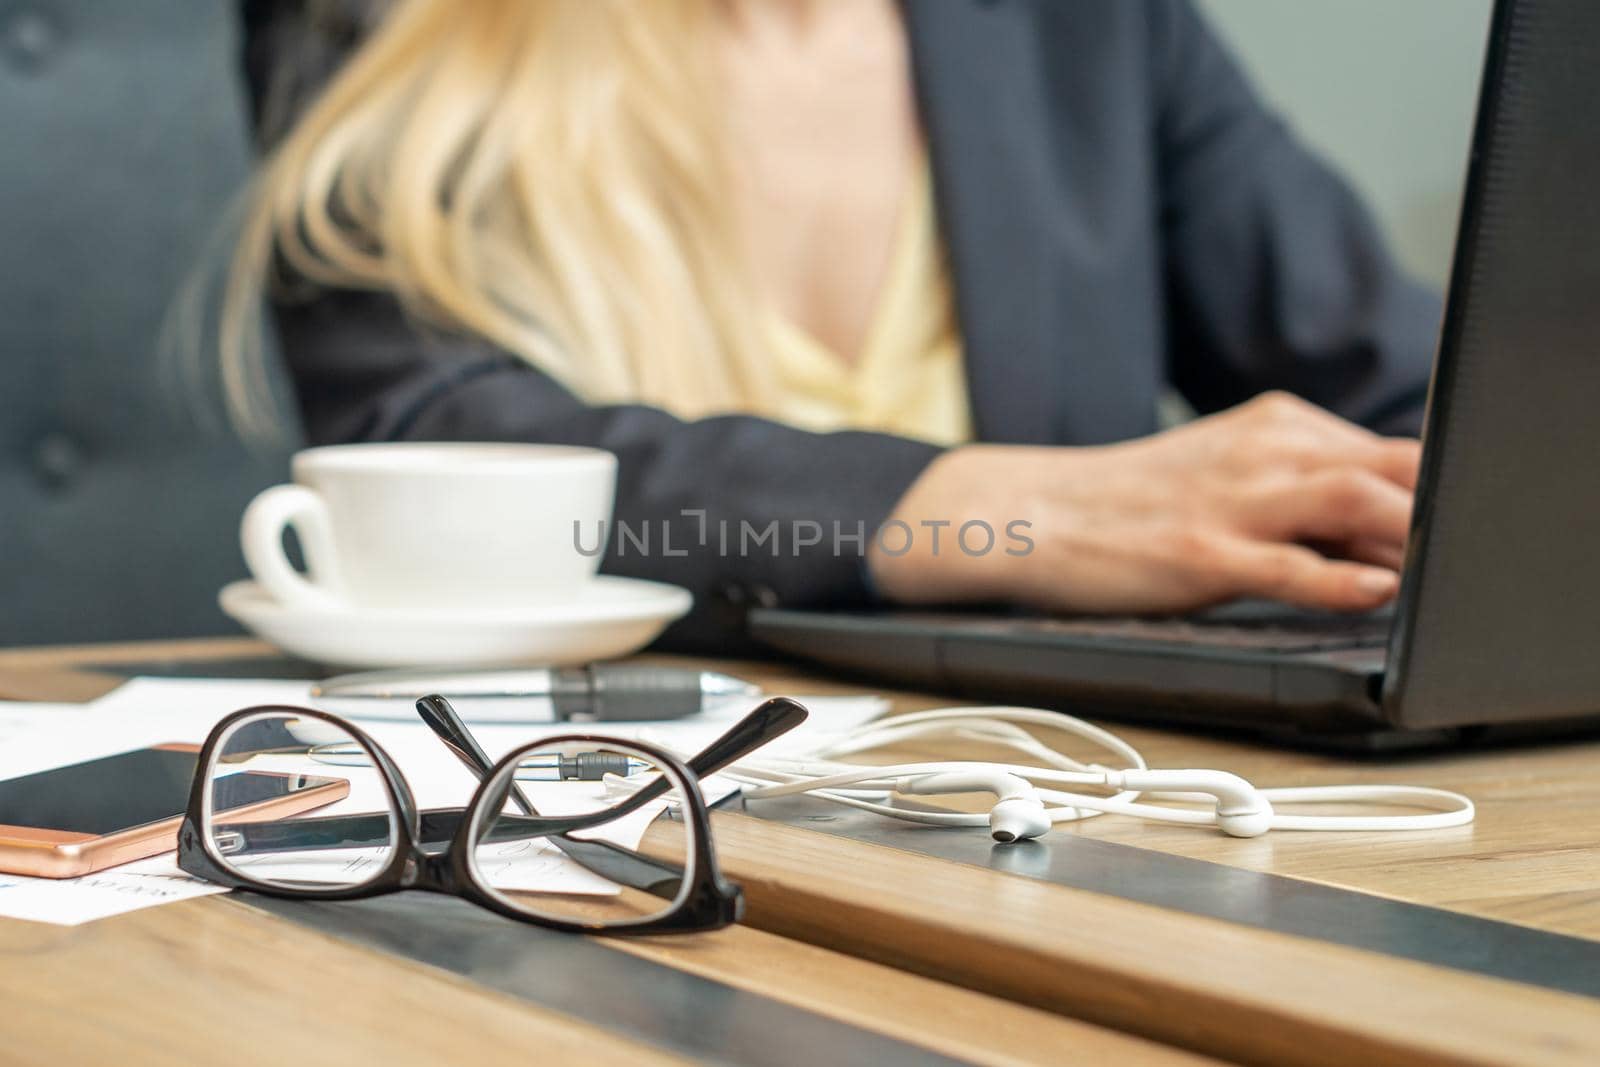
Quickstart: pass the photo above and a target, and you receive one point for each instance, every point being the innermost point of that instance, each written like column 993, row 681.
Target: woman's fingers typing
column 1302, row 576
column 1397, row 459
column 1337, row 504
column 1363, row 550
column 1225, row 507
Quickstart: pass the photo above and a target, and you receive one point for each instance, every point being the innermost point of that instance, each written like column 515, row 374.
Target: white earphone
column 1027, row 800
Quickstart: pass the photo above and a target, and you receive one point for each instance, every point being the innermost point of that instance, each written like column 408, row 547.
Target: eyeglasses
column 627, row 853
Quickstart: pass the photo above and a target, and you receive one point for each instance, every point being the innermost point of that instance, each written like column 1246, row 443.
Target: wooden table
column 980, row 965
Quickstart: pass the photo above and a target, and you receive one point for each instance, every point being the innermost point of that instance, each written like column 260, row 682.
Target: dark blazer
column 1122, row 214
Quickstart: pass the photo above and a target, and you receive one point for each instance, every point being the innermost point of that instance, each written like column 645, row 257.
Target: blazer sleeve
column 1277, row 277
column 738, row 509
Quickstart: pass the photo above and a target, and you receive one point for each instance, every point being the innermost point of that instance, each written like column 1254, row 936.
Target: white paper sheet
column 147, row 711
column 70, row 901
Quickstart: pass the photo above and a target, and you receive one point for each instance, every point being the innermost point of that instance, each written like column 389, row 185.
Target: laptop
column 1496, row 629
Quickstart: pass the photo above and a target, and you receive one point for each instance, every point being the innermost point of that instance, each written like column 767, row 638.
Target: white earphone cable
column 1029, row 800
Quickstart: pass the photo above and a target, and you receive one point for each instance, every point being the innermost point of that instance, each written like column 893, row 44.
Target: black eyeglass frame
column 709, row 902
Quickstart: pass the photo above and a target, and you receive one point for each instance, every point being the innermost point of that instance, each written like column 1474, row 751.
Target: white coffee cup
column 433, row 527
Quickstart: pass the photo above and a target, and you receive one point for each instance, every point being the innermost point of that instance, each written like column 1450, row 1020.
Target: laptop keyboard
column 1240, row 627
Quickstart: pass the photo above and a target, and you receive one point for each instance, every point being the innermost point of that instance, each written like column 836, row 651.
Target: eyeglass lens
column 584, row 850
column 275, row 816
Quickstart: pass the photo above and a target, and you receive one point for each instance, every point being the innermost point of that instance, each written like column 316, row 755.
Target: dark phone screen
column 131, row 789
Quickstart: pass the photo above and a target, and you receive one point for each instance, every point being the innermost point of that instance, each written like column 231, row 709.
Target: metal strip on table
column 583, row 977
column 1266, row 901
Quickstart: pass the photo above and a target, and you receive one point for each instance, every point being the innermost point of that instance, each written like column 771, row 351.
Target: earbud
column 1252, row 822
column 1241, row 809
column 1019, row 814
column 1018, row 819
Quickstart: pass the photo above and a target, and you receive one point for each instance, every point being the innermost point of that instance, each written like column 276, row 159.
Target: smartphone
column 74, row 820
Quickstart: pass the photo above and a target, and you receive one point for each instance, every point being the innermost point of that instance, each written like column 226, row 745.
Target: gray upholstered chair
column 125, row 137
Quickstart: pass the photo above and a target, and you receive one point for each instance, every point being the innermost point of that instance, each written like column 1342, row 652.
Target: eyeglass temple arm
column 771, row 718
column 447, row 724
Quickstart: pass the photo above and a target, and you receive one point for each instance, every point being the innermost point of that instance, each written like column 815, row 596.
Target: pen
column 579, row 767
column 546, row 767
column 601, row 692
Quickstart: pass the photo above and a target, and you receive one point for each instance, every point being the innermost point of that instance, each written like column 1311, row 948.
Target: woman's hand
column 1275, row 499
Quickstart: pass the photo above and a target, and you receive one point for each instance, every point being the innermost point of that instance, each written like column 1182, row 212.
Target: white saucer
column 611, row 617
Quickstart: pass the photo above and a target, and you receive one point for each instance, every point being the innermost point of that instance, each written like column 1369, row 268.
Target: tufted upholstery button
column 57, row 460
column 29, row 36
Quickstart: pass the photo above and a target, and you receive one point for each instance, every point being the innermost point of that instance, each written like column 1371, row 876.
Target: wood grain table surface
column 975, row 963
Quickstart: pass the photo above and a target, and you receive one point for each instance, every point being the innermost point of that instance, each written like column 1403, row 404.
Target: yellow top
column 909, row 379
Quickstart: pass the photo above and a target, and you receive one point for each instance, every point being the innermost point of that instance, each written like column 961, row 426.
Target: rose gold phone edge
column 45, row 853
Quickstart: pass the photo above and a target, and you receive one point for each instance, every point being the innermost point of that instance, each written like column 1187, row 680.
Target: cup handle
column 261, row 537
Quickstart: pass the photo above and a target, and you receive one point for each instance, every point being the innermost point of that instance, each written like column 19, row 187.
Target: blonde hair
column 545, row 174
